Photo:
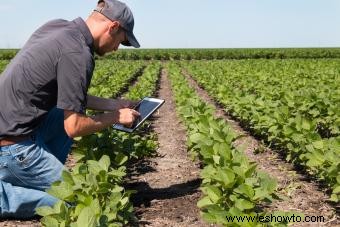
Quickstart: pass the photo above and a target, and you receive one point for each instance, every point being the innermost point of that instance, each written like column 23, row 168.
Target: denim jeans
column 28, row 168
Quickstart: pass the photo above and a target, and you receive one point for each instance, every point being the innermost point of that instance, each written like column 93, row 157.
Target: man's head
column 111, row 24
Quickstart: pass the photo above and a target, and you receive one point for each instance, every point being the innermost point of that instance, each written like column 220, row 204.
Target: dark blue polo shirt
column 54, row 68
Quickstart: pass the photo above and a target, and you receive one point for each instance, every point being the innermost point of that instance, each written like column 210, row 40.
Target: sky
column 193, row 23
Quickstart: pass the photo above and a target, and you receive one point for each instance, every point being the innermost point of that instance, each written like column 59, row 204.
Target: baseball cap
column 119, row 11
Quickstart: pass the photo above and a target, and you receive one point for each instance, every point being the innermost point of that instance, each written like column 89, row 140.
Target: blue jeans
column 28, row 168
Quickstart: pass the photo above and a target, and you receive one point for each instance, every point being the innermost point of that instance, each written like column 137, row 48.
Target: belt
column 10, row 140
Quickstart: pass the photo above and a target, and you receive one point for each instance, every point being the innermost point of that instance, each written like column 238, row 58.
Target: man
column 43, row 97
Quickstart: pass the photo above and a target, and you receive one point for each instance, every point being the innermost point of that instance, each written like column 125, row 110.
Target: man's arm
column 103, row 104
column 76, row 124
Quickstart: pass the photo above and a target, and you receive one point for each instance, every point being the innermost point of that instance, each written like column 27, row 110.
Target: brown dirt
column 168, row 184
column 70, row 162
column 301, row 194
column 16, row 223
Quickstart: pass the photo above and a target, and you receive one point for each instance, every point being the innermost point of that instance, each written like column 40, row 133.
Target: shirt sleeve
column 73, row 82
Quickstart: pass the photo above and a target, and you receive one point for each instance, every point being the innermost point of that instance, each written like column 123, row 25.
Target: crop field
column 3, row 64
column 294, row 104
column 243, row 133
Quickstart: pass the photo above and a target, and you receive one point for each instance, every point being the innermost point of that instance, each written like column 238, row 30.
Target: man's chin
column 101, row 54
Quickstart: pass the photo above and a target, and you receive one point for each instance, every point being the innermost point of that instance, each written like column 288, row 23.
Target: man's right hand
column 127, row 117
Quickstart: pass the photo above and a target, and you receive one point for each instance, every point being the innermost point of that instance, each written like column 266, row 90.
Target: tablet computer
column 146, row 108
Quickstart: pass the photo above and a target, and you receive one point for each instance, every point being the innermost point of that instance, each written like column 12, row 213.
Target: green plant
column 91, row 195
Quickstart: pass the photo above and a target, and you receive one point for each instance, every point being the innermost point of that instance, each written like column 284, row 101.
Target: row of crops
column 3, row 64
column 7, row 54
column 293, row 104
column 209, row 54
column 231, row 184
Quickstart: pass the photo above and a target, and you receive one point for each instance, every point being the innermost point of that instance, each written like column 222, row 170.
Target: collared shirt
column 54, row 68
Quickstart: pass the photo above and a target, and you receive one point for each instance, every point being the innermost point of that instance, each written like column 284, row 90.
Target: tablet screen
column 144, row 108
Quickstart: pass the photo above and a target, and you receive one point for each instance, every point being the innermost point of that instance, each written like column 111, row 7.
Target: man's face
column 111, row 40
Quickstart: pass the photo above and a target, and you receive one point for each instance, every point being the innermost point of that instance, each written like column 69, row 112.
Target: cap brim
column 132, row 41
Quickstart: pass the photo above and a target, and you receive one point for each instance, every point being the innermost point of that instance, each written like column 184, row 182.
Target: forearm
column 80, row 125
column 76, row 124
column 101, row 104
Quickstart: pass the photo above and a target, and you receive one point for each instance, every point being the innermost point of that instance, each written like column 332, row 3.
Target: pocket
column 25, row 153
column 34, row 167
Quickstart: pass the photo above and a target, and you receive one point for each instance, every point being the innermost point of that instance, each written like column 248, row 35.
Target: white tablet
column 146, row 108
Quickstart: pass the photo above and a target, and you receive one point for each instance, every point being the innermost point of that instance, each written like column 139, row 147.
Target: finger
column 135, row 113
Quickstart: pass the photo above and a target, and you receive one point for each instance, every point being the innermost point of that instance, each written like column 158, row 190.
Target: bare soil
column 168, row 184
column 301, row 194
column 16, row 223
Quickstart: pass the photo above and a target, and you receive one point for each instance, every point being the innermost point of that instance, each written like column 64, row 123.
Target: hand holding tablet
column 146, row 108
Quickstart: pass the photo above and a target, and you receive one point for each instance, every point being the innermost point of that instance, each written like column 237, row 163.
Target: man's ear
column 114, row 26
